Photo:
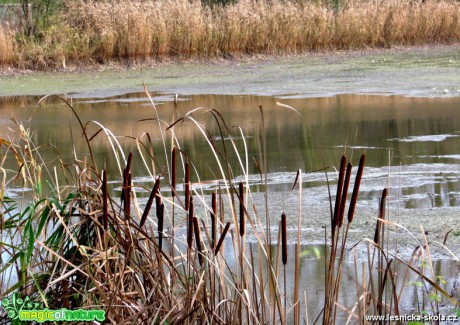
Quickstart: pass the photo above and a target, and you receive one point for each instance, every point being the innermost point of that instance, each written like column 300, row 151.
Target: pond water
column 418, row 137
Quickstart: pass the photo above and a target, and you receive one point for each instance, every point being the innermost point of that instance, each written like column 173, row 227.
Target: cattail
column 222, row 237
column 150, row 201
column 158, row 201
column 187, row 185
column 173, row 173
column 105, row 214
column 344, row 195
column 123, row 190
column 381, row 216
column 126, row 171
column 128, row 162
column 160, row 215
column 284, row 253
column 196, row 227
column 354, row 196
column 242, row 218
column 128, row 194
column 213, row 219
column 338, row 197
column 190, row 224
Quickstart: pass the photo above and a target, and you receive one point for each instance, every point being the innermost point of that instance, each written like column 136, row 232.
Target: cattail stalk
column 222, row 237
column 354, row 196
column 128, row 194
column 381, row 216
column 338, row 197
column 150, row 201
column 105, row 213
column 242, row 217
column 213, row 219
column 284, row 253
column 344, row 195
column 173, row 173
column 190, row 224
column 196, row 227
column 187, row 186
column 160, row 215
column 126, row 171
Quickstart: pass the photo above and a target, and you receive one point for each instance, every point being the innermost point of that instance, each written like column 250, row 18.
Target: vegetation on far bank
column 100, row 31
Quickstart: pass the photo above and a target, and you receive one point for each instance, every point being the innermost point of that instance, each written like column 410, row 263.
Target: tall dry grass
column 188, row 29
column 6, row 45
column 138, row 29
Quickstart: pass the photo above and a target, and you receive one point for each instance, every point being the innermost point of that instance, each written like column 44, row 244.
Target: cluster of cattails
column 193, row 227
column 333, row 278
column 342, row 192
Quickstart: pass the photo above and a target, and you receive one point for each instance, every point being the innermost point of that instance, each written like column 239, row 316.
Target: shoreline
column 425, row 71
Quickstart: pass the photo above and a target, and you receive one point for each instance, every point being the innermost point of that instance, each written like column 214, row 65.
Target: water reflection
column 396, row 131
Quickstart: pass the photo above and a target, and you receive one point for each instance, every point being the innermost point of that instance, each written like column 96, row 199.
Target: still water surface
column 418, row 137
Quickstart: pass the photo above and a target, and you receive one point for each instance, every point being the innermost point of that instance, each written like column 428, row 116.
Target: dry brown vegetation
column 6, row 46
column 102, row 31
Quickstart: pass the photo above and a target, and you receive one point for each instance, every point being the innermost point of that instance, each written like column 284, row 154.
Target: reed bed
column 6, row 46
column 79, row 245
column 100, row 31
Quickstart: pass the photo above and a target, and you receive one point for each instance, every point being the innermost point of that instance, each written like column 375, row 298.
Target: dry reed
column 6, row 45
column 137, row 30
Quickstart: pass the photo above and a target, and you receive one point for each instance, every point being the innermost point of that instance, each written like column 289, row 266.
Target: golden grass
column 187, row 29
column 6, row 45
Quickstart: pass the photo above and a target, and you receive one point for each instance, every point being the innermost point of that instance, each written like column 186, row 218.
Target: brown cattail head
column 128, row 194
column 160, row 215
column 173, row 172
column 196, row 227
column 190, row 224
column 344, row 195
column 283, row 239
column 381, row 216
column 128, row 162
column 158, row 201
column 213, row 219
column 105, row 214
column 123, row 187
column 154, row 192
column 242, row 217
column 354, row 196
column 222, row 237
column 338, row 196
column 187, row 185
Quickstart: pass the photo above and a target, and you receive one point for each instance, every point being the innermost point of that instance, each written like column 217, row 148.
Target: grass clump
column 101, row 31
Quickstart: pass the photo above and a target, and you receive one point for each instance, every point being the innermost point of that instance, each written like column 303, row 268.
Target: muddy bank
column 418, row 71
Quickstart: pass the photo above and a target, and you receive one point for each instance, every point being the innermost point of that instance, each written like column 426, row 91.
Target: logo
column 26, row 310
